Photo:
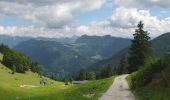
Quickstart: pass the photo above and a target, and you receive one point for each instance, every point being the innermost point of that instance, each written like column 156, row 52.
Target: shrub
column 162, row 80
column 146, row 73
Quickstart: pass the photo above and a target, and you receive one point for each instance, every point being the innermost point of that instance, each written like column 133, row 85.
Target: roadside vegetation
column 152, row 82
column 149, row 76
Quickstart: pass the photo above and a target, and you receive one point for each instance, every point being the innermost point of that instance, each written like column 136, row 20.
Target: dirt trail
column 119, row 90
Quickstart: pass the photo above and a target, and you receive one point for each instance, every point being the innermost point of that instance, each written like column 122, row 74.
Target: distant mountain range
column 54, row 56
column 12, row 41
column 72, row 54
column 159, row 46
column 85, row 51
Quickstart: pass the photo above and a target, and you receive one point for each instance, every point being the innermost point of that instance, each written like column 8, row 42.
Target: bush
column 146, row 73
column 162, row 80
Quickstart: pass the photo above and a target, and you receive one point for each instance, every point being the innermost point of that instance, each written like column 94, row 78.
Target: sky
column 67, row 18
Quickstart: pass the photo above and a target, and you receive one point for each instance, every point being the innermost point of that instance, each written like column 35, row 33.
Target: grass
column 91, row 90
column 10, row 88
column 1, row 57
column 10, row 85
column 149, row 92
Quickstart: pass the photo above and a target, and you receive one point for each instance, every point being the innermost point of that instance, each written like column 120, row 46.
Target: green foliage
column 145, row 75
column 151, row 93
column 82, row 75
column 152, row 81
column 107, row 71
column 162, row 79
column 86, row 75
column 17, row 59
column 4, row 49
column 18, row 62
column 140, row 48
column 90, row 75
column 123, row 65
column 35, row 67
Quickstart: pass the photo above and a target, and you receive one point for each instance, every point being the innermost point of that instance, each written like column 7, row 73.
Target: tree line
column 19, row 62
column 105, row 72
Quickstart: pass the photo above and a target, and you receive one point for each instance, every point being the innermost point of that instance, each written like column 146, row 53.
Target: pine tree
column 122, row 67
column 82, row 74
column 140, row 48
column 107, row 71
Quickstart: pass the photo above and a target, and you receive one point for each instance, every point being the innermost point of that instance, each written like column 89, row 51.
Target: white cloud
column 55, row 18
column 123, row 23
column 48, row 13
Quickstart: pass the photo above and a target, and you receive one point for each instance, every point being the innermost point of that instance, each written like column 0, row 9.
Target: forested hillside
column 159, row 46
column 72, row 57
column 53, row 55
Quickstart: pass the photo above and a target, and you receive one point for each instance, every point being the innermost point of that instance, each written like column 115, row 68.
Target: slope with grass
column 24, row 86
column 152, row 82
column 1, row 56
column 27, row 87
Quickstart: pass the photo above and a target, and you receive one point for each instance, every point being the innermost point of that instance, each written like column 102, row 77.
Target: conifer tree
column 140, row 48
column 82, row 74
column 122, row 67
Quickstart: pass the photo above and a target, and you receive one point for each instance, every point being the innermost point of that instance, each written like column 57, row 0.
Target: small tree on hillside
column 82, row 75
column 91, row 76
column 106, row 71
column 140, row 48
column 122, row 67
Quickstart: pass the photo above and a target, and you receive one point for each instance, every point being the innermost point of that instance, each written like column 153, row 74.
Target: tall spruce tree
column 140, row 48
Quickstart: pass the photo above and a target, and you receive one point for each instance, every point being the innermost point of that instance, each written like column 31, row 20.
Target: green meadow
column 27, row 87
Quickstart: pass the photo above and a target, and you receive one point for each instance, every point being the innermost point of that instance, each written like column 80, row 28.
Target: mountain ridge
column 159, row 46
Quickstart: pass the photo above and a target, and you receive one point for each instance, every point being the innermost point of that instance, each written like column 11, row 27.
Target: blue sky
column 77, row 17
column 14, row 21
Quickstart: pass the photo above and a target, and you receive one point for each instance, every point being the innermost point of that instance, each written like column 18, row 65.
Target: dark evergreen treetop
column 140, row 48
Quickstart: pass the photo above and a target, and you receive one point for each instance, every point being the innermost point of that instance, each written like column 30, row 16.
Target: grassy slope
column 150, row 93
column 1, row 56
column 10, row 87
column 96, row 88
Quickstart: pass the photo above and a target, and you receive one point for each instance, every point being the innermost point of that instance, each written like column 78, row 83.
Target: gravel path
column 119, row 90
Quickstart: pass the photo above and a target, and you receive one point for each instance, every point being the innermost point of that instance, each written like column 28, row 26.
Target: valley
column 84, row 50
